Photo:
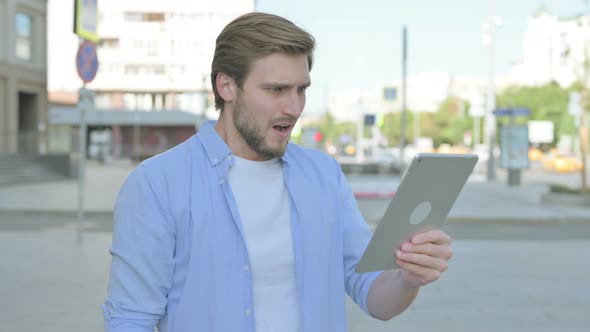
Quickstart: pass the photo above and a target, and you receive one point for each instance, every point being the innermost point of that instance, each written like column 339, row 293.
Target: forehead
column 280, row 68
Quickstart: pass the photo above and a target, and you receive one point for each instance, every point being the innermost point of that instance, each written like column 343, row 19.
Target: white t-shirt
column 263, row 202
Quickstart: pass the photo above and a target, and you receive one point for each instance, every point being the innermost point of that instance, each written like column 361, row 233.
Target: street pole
column 402, row 140
column 490, row 120
column 476, row 128
column 583, row 119
column 416, row 128
column 83, row 101
column 360, row 129
column 584, row 147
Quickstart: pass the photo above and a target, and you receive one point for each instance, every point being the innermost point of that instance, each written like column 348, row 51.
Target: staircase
column 19, row 168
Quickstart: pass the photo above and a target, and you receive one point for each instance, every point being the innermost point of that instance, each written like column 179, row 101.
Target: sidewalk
column 486, row 202
column 480, row 201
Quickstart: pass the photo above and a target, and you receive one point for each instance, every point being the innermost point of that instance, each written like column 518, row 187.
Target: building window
column 153, row 17
column 564, row 50
column 144, row 17
column 149, row 70
column 24, row 40
column 109, row 43
column 103, row 100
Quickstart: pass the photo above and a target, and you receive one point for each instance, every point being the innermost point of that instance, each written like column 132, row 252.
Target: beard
column 252, row 133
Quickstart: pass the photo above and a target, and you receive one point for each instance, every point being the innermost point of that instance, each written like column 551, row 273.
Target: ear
column 225, row 86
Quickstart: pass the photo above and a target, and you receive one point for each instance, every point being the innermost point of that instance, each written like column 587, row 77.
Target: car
column 567, row 164
column 535, row 154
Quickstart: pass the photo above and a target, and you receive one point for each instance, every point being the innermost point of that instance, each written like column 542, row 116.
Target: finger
column 424, row 275
column 430, row 249
column 428, row 262
column 432, row 236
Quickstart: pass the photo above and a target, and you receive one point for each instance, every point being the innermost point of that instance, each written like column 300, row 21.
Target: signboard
column 514, row 143
column 369, row 120
column 390, row 94
column 85, row 19
column 512, row 112
column 540, row 131
column 87, row 61
column 476, row 107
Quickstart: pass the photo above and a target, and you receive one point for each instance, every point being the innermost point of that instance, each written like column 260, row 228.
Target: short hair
column 253, row 36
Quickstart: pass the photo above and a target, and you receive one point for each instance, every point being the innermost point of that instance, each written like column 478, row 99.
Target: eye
column 276, row 89
column 303, row 89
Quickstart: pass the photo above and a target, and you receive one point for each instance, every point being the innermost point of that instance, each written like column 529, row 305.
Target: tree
column 547, row 102
column 449, row 124
column 332, row 131
column 392, row 127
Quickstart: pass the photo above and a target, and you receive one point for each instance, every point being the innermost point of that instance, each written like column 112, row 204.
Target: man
column 236, row 229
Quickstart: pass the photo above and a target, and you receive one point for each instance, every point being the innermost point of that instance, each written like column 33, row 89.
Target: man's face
column 270, row 103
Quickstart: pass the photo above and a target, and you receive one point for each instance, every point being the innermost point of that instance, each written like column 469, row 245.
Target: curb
column 55, row 213
column 519, row 221
column 566, row 199
column 457, row 220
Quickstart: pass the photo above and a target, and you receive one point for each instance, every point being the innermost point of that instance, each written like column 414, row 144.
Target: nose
column 295, row 103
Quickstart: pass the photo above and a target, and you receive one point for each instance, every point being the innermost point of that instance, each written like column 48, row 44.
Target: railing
column 65, row 141
column 33, row 143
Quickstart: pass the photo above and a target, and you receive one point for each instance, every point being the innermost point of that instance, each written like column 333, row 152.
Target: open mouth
column 282, row 128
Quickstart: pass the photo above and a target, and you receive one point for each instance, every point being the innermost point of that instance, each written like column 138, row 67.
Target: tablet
column 422, row 201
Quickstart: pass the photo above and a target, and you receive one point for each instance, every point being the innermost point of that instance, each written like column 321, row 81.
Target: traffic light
column 318, row 137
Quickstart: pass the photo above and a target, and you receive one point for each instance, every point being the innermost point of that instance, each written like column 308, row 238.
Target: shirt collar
column 216, row 148
column 214, row 145
column 288, row 156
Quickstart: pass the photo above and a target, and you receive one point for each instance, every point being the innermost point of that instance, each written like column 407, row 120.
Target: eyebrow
column 284, row 85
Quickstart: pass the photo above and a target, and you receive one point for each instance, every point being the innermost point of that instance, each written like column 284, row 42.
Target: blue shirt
column 179, row 260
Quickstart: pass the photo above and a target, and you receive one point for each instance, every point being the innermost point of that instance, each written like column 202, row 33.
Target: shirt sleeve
column 142, row 257
column 356, row 237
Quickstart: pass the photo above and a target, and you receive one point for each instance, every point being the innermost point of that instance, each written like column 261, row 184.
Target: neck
column 232, row 137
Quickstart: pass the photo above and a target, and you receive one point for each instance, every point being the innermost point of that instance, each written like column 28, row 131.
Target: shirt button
column 248, row 312
column 246, row 268
column 221, row 181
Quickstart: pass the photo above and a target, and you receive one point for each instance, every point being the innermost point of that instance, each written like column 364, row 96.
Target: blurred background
column 390, row 80
column 90, row 88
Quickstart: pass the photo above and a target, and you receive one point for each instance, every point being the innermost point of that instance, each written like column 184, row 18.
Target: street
column 157, row 106
column 502, row 278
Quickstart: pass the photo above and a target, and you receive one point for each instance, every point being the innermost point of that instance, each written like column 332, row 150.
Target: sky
column 358, row 43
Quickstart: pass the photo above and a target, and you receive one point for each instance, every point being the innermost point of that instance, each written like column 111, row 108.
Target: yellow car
column 535, row 154
column 566, row 164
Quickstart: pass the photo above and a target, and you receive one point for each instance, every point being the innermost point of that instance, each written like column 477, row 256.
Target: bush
column 562, row 189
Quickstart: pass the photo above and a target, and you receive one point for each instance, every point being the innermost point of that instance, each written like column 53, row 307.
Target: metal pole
column 584, row 147
column 583, row 119
column 490, row 118
column 82, row 105
column 402, row 141
column 476, row 129
column 416, row 128
column 360, row 129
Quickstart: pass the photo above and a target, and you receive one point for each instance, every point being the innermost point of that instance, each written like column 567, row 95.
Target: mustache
column 286, row 118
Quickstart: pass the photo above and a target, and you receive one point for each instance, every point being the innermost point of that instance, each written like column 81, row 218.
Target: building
column 23, row 76
column 154, row 56
column 554, row 49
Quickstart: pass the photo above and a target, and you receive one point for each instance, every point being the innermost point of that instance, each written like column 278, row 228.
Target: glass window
column 109, row 43
column 144, row 17
column 24, row 42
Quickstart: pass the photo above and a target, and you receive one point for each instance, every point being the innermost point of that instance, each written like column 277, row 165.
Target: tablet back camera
column 420, row 213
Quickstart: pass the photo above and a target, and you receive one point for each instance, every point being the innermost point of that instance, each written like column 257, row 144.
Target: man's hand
column 424, row 258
